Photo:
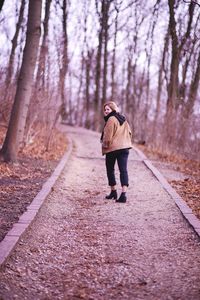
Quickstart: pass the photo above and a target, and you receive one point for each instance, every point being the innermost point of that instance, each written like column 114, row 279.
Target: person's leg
column 124, row 188
column 110, row 169
column 122, row 160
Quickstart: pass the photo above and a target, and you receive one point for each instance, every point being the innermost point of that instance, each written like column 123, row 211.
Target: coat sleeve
column 130, row 131
column 109, row 131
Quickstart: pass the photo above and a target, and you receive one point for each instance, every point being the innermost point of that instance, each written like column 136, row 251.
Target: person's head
column 110, row 106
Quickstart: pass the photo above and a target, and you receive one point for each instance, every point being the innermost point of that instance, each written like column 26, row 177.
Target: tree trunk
column 105, row 27
column 97, row 81
column 129, row 83
column 160, row 84
column 40, row 88
column 44, row 48
column 87, row 89
column 17, row 122
column 113, row 83
column 193, row 90
column 11, row 73
column 64, row 68
column 14, row 44
column 174, row 99
column 173, row 84
column 79, row 114
column 1, row 4
column 189, row 106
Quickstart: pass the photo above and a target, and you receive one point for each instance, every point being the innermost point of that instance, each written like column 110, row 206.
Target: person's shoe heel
column 122, row 198
column 112, row 195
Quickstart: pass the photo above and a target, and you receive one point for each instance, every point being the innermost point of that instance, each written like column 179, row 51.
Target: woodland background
column 62, row 59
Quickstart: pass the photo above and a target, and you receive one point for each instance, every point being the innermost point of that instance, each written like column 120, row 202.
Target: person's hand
column 105, row 145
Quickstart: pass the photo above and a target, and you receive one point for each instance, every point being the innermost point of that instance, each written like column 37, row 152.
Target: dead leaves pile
column 189, row 190
column 47, row 146
column 20, row 182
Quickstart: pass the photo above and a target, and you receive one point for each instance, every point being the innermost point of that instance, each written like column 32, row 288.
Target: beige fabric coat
column 116, row 136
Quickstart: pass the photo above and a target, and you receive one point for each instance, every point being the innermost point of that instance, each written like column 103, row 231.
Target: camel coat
column 116, row 136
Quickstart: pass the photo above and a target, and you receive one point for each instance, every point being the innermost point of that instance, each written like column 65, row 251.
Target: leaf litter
column 20, row 182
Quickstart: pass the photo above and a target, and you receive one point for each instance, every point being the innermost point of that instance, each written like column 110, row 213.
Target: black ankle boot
column 122, row 198
column 112, row 195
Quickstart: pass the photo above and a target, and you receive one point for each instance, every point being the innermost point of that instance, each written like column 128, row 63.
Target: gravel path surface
column 81, row 246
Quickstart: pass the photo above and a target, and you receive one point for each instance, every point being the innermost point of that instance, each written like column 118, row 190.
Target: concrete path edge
column 9, row 242
column 182, row 205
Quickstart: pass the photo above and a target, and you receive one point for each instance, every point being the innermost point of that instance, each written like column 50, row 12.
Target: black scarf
column 118, row 116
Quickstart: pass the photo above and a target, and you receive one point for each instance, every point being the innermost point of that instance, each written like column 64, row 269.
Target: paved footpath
column 81, row 246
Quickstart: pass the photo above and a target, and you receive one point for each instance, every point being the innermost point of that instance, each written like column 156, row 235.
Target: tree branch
column 189, row 2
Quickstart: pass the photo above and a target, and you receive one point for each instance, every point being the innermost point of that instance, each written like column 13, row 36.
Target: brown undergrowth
column 20, row 182
column 189, row 186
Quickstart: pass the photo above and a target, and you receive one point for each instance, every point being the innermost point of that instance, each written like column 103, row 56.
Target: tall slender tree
column 15, row 132
column 105, row 18
column 14, row 44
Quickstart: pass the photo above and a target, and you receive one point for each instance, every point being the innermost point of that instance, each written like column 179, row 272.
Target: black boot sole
column 112, row 195
column 110, row 198
column 120, row 201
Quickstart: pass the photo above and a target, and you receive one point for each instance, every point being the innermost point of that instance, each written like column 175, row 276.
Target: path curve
column 81, row 246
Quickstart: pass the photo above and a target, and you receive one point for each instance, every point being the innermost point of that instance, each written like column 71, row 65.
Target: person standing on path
column 116, row 142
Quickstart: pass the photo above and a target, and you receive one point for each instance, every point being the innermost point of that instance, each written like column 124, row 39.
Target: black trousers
column 122, row 158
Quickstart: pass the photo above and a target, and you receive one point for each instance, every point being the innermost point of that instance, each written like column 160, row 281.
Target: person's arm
column 109, row 131
column 130, row 131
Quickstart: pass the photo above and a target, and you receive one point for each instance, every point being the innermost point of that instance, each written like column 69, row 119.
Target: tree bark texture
column 113, row 63
column 1, row 4
column 173, row 84
column 11, row 72
column 14, row 43
column 44, row 48
column 160, row 83
column 105, row 27
column 97, row 80
column 20, row 107
column 64, row 68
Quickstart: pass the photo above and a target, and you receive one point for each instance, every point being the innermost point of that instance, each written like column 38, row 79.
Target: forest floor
column 19, row 183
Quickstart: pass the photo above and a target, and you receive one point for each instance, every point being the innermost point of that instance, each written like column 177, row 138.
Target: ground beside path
column 81, row 246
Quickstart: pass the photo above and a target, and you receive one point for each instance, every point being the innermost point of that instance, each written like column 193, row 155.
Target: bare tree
column 40, row 79
column 189, row 105
column 11, row 72
column 64, row 67
column 161, row 78
column 105, row 18
column 173, row 84
column 98, row 67
column 14, row 43
column 15, row 132
column 113, row 63
column 174, row 99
